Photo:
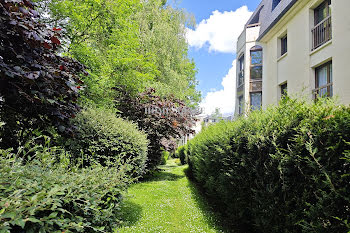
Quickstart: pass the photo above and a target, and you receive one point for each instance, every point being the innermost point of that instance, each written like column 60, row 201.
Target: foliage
column 46, row 195
column 162, row 34
column 182, row 154
column 285, row 169
column 157, row 117
column 132, row 43
column 165, row 157
column 103, row 137
column 38, row 86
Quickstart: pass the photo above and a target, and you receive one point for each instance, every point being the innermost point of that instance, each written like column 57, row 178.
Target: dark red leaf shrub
column 164, row 119
column 38, row 86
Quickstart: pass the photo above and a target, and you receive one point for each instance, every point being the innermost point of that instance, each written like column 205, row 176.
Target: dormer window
column 275, row 3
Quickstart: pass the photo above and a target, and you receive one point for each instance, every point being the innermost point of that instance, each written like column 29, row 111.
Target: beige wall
column 297, row 66
column 341, row 49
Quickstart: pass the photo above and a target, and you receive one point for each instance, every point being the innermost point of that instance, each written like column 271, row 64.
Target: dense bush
column 182, row 154
column 48, row 195
column 286, row 169
column 103, row 137
column 38, row 87
column 165, row 157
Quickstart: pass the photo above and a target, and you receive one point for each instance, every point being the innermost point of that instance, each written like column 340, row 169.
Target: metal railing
column 322, row 33
column 323, row 91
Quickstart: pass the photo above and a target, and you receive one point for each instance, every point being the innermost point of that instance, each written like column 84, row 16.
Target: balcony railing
column 255, row 85
column 322, row 33
column 323, row 91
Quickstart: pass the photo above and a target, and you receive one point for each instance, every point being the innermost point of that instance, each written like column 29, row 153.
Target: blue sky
column 212, row 46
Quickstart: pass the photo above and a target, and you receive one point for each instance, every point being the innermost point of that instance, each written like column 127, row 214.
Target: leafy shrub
column 181, row 151
column 37, row 86
column 286, row 169
column 44, row 195
column 165, row 157
column 103, row 137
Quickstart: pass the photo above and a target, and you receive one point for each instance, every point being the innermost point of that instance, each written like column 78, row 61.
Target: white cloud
column 220, row 31
column 224, row 98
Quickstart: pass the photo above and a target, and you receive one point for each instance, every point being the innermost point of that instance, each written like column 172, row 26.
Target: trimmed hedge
column 181, row 153
column 45, row 195
column 103, row 137
column 165, row 157
column 286, row 169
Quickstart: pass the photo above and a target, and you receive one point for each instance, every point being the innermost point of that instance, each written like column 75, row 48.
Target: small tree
column 39, row 87
column 162, row 118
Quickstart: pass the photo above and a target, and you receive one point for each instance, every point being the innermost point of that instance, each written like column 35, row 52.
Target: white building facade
column 305, row 48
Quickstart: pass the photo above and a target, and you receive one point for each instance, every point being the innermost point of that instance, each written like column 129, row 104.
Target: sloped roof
column 268, row 13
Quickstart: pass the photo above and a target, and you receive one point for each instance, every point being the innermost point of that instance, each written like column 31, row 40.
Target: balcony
column 322, row 33
column 255, row 85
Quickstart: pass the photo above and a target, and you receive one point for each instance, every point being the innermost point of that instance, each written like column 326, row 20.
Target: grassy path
column 168, row 203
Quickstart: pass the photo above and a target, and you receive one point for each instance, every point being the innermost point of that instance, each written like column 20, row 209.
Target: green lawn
column 167, row 203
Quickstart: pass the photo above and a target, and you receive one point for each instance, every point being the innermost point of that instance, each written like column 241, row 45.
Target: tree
column 162, row 118
column 217, row 114
column 137, row 44
column 38, row 87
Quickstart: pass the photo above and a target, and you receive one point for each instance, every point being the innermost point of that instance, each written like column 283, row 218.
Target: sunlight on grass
column 167, row 203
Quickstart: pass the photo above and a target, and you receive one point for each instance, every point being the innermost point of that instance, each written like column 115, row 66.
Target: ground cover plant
column 285, row 169
column 46, row 193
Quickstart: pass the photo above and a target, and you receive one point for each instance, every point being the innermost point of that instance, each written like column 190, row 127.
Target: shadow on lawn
column 163, row 173
column 214, row 214
column 130, row 213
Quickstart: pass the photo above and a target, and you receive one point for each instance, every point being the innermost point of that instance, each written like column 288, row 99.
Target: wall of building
column 341, row 49
column 297, row 66
column 245, row 42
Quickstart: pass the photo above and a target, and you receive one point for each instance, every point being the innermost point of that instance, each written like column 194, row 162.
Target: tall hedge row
column 286, row 169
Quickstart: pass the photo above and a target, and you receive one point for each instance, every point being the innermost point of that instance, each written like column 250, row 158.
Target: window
column 240, row 105
column 324, row 81
column 284, row 43
column 256, row 63
column 322, row 31
column 241, row 71
column 322, row 11
column 255, row 100
column 284, row 89
column 275, row 3
column 256, row 56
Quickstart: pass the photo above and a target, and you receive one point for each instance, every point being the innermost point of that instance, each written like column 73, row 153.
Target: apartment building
column 299, row 47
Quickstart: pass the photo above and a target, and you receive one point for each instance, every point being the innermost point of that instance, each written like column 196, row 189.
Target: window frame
column 328, row 85
column 240, row 105
column 256, row 48
column 284, row 89
column 284, row 45
column 275, row 3
column 241, row 60
column 250, row 96
column 326, row 4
